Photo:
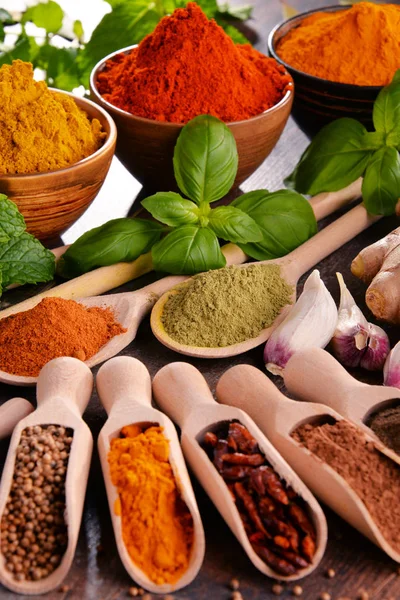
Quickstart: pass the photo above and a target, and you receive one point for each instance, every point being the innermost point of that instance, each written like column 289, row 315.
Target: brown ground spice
column 372, row 475
column 386, row 425
column 55, row 327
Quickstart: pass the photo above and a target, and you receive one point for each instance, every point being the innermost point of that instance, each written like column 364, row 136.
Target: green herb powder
column 226, row 306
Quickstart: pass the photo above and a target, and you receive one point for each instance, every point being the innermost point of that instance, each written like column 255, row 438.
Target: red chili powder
column 189, row 66
column 55, row 327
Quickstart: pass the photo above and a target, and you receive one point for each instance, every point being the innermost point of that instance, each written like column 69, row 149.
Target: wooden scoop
column 131, row 307
column 293, row 266
column 182, row 392
column 11, row 412
column 63, row 391
column 316, row 376
column 124, row 387
column 248, row 388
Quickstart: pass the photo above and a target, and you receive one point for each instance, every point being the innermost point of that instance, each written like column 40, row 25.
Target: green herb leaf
column 171, row 209
column 23, row 259
column 381, row 183
column 60, row 65
column 335, row 158
column 119, row 240
column 188, row 250
column 78, row 30
column 205, row 159
column 5, row 16
column 127, row 24
column 233, row 225
column 240, row 13
column 237, row 36
column 386, row 111
column 11, row 221
column 48, row 15
column 25, row 49
column 285, row 218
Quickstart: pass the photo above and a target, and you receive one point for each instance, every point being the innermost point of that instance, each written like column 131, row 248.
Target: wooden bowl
column 145, row 147
column 319, row 101
column 52, row 201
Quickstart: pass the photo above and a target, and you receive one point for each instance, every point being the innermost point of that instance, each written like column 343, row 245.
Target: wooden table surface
column 97, row 572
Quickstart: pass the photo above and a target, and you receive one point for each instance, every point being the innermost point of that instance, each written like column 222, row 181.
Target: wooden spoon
column 124, row 388
column 63, row 391
column 293, row 266
column 182, row 392
column 248, row 388
column 131, row 307
column 11, row 412
column 316, row 376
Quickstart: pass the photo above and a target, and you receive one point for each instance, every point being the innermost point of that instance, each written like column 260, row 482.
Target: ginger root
column 378, row 265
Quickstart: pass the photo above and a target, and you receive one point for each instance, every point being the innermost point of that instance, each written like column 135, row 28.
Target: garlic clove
column 391, row 370
column 309, row 324
column 377, row 349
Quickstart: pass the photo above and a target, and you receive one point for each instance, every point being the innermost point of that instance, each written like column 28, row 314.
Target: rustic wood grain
column 97, row 573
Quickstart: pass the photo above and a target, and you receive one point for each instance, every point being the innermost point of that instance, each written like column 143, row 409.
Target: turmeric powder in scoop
column 157, row 527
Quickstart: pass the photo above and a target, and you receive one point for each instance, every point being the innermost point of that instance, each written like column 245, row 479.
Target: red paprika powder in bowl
column 186, row 67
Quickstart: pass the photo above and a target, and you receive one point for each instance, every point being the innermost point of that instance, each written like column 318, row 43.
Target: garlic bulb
column 309, row 324
column 391, row 370
column 357, row 343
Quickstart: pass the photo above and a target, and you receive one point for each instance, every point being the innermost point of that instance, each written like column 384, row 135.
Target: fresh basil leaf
column 233, row 225
column 5, row 17
column 373, row 140
column 381, row 183
column 188, row 250
column 335, row 158
column 25, row 49
column 127, row 24
column 237, row 36
column 240, row 13
column 119, row 240
column 12, row 223
column 2, row 36
column 48, row 15
column 386, row 111
column 23, row 259
column 205, row 159
column 171, row 209
column 78, row 29
column 60, row 66
column 1, row 282
column 285, row 218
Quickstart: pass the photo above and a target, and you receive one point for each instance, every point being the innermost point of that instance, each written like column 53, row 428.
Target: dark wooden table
column 97, row 572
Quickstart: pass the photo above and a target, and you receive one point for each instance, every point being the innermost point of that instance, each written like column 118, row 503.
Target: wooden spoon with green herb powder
column 231, row 310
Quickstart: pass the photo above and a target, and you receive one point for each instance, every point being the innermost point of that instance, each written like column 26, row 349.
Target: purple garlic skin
column 377, row 349
column 391, row 370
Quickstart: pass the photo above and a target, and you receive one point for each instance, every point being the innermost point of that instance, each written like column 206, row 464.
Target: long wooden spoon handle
column 122, row 382
column 328, row 240
column 11, row 412
column 67, row 379
column 329, row 202
column 178, row 389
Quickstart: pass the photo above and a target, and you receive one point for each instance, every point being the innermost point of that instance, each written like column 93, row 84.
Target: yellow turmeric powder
column 157, row 527
column 359, row 45
column 41, row 130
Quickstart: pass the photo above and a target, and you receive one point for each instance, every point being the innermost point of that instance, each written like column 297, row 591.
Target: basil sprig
column 344, row 150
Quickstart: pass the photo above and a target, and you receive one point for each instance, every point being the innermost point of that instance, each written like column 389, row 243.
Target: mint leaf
column 25, row 49
column 48, row 15
column 233, row 225
column 188, row 250
column 386, row 111
column 240, row 13
column 381, row 183
column 60, row 65
column 285, row 219
column 171, row 209
column 119, row 240
column 11, row 221
column 78, row 30
column 205, row 159
column 23, row 259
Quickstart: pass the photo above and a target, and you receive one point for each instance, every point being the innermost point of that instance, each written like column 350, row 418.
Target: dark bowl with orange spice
column 145, row 146
column 319, row 101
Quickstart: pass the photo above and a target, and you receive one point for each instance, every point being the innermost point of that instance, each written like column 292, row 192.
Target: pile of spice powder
column 41, row 130
column 386, row 425
column 359, row 45
column 372, row 475
column 189, row 66
column 34, row 534
column 55, row 327
column 157, row 527
column 226, row 306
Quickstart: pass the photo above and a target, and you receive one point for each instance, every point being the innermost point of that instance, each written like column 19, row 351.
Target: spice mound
column 157, row 527
column 386, row 425
column 55, row 327
column 34, row 535
column 189, row 66
column 226, row 306
column 372, row 475
column 359, row 45
column 274, row 516
column 41, row 130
